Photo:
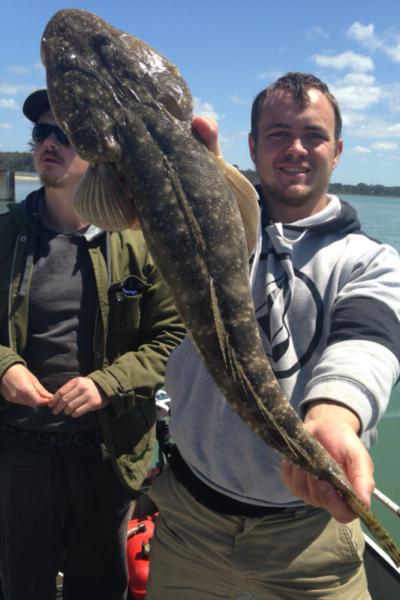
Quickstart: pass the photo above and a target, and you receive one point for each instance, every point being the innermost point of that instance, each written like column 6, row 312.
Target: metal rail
column 387, row 502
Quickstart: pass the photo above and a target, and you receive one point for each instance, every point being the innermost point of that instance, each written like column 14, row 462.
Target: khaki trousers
column 198, row 554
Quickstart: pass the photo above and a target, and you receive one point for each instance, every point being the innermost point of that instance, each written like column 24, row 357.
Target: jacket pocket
column 125, row 299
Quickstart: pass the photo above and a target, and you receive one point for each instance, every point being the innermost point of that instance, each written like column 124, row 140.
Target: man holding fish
column 327, row 301
column 86, row 326
column 319, row 355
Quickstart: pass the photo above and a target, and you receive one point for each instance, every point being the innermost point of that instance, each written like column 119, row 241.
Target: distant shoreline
column 27, row 177
column 338, row 194
column 35, row 177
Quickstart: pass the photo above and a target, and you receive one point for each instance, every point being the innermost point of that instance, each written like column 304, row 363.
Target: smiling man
column 327, row 300
column 295, row 146
column 86, row 327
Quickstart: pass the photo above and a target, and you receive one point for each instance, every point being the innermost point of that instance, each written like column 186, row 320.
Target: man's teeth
column 294, row 170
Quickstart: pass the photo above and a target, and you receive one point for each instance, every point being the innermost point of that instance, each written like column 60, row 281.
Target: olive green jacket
column 134, row 335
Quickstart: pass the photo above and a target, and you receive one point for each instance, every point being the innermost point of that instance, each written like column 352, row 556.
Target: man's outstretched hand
column 335, row 428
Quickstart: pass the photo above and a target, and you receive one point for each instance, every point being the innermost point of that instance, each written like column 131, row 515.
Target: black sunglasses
column 41, row 131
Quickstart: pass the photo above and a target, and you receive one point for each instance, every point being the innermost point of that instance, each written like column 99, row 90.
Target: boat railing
column 387, row 502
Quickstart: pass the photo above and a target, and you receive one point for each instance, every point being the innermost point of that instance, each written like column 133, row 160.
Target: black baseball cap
column 36, row 104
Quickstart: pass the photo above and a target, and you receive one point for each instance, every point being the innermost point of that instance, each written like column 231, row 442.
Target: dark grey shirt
column 62, row 304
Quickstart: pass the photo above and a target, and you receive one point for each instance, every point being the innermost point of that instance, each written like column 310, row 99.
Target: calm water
column 380, row 218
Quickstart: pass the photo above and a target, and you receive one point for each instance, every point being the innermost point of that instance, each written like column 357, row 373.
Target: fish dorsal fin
column 246, row 198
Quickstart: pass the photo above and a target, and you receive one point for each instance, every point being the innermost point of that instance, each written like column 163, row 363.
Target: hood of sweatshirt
column 346, row 221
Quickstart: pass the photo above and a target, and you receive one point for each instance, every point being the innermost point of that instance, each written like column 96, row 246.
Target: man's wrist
column 331, row 410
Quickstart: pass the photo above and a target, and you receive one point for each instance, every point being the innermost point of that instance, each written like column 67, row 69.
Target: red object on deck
column 140, row 532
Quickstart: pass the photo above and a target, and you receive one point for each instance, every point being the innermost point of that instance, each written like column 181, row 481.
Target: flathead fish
column 127, row 110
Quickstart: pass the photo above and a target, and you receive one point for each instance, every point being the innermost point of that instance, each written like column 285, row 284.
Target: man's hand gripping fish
column 127, row 111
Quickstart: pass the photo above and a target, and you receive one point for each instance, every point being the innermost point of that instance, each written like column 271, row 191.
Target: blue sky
column 228, row 50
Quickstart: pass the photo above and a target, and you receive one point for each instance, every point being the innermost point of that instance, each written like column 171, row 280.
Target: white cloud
column 316, row 32
column 375, row 128
column 5, row 126
column 361, row 79
column 271, row 75
column 39, row 66
column 18, row 69
column 356, row 91
column 351, row 118
column 359, row 150
column 230, row 141
column 393, row 130
column 205, row 109
column 393, row 52
column 355, row 97
column 364, row 34
column 14, row 88
column 237, row 100
column 8, row 88
column 227, row 141
column 384, row 146
column 348, row 59
column 8, row 104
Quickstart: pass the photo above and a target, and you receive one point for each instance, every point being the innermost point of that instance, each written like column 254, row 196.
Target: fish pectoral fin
column 100, row 199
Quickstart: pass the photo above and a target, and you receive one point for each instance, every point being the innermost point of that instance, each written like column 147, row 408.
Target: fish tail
column 371, row 522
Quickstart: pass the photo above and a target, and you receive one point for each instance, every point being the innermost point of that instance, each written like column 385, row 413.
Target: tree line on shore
column 23, row 161
column 18, row 161
column 361, row 189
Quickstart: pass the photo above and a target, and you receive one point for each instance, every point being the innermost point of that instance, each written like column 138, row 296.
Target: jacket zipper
column 10, row 298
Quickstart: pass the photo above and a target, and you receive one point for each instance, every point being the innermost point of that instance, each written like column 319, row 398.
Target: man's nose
column 296, row 147
column 51, row 141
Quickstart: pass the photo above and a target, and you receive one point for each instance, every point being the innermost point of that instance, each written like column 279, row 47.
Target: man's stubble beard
column 296, row 198
column 50, row 181
column 286, row 199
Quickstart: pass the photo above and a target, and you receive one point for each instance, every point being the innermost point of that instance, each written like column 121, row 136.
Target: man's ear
column 252, row 147
column 339, row 150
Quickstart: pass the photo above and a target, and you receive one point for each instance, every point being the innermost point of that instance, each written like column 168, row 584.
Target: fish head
column 99, row 78
column 103, row 85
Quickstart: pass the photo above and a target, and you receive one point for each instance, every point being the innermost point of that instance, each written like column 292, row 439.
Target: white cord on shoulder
column 257, row 253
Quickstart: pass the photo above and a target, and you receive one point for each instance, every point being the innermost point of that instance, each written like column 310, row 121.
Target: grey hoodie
column 327, row 300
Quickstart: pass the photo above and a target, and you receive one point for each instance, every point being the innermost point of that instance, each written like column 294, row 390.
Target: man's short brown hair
column 296, row 85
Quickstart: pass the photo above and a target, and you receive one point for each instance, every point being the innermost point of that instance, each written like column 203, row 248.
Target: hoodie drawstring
column 29, row 257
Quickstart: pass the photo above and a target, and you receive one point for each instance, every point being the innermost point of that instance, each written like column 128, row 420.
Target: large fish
column 127, row 110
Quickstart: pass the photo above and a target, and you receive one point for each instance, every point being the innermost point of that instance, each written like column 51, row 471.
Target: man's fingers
column 207, row 128
column 43, row 392
column 318, row 492
column 78, row 396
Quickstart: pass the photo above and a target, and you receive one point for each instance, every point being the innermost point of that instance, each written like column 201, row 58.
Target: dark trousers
column 63, row 512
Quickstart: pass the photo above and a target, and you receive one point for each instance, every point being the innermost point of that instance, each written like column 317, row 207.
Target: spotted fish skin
column 120, row 101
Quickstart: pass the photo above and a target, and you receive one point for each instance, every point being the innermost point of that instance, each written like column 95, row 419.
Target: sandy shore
column 27, row 177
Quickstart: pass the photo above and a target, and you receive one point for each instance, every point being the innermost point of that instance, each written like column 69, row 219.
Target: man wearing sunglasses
column 86, row 327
